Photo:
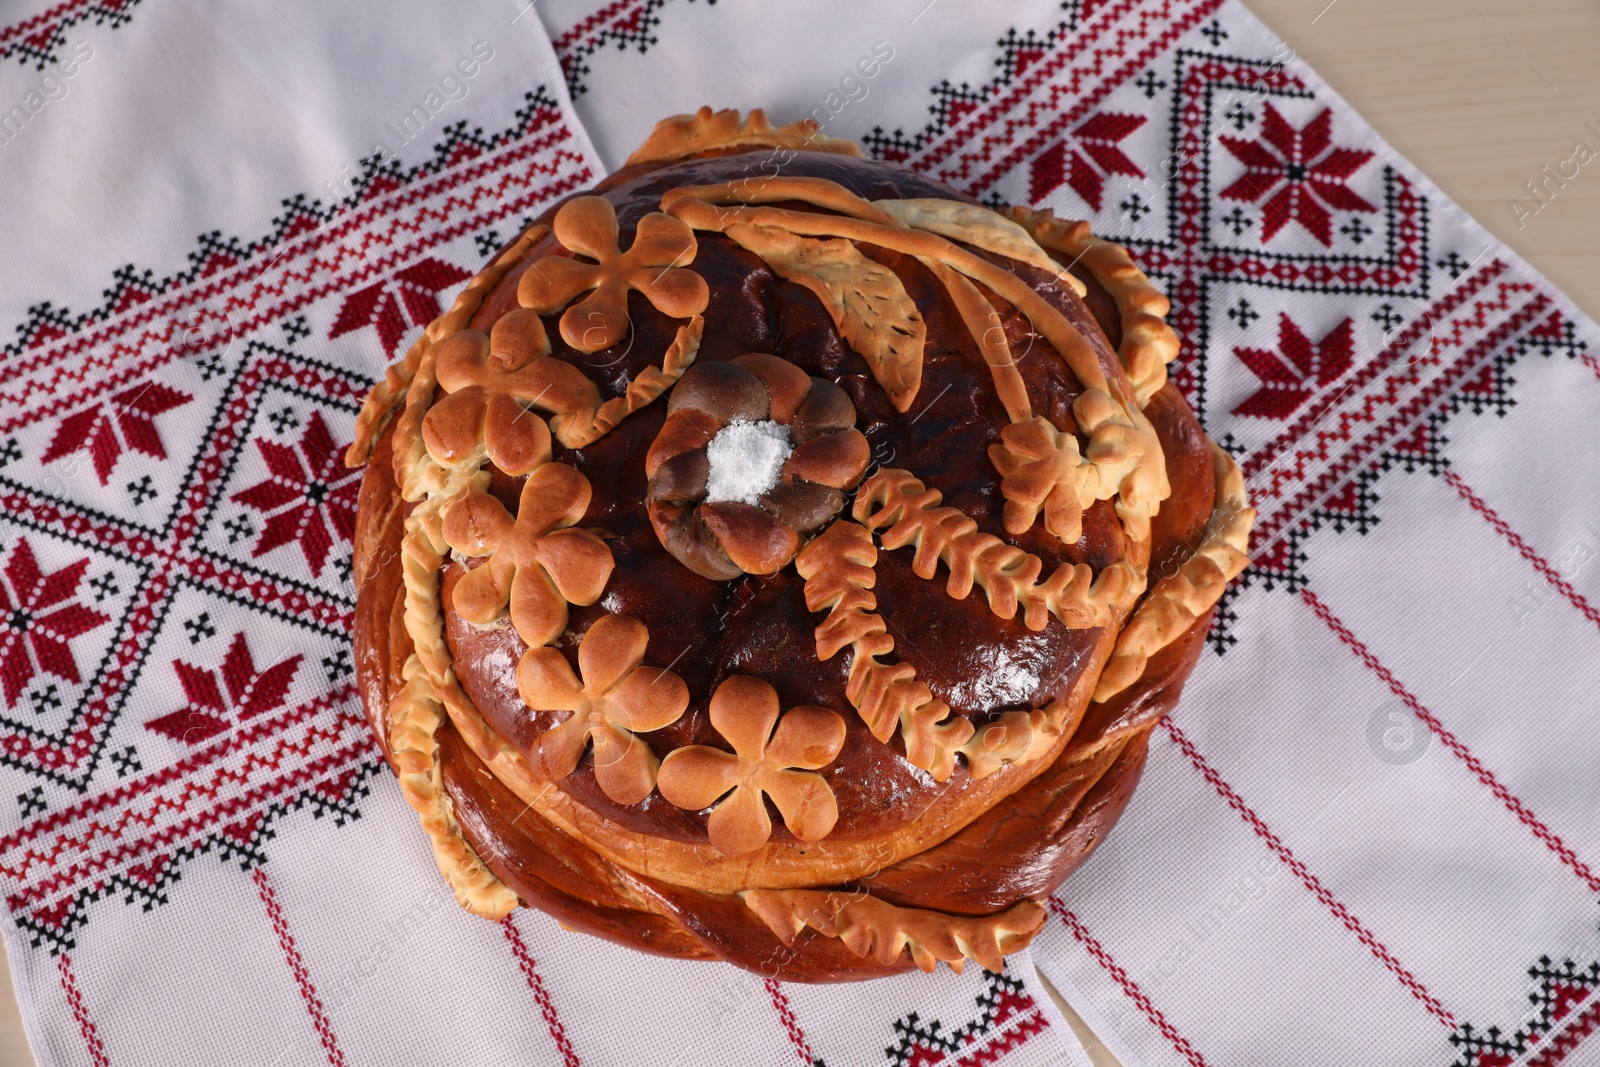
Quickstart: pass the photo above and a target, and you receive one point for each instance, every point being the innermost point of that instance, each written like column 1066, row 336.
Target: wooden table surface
column 1479, row 94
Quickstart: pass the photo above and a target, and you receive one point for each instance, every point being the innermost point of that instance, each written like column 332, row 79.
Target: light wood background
column 1479, row 94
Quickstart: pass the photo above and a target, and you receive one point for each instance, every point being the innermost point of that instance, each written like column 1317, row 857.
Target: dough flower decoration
column 1042, row 467
column 617, row 699
column 538, row 563
column 754, row 454
column 765, row 762
column 491, row 380
column 654, row 265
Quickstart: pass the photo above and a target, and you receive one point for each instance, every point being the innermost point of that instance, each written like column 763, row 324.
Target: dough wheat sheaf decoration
column 602, row 776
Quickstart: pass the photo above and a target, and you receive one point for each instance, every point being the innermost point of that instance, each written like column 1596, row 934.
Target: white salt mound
column 745, row 458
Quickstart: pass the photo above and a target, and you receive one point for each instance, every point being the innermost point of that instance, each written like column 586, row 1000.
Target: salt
column 745, row 458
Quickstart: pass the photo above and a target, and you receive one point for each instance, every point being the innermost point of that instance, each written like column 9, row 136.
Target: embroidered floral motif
column 1298, row 173
column 308, row 497
column 42, row 614
column 1297, row 370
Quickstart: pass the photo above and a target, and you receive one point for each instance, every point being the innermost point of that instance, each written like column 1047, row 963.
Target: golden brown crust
column 1075, row 444
column 415, row 717
column 380, row 525
column 707, row 130
column 778, row 864
column 868, row 925
column 1148, row 343
column 1077, row 798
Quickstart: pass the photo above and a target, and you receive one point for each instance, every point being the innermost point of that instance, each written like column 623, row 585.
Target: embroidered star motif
column 1298, row 174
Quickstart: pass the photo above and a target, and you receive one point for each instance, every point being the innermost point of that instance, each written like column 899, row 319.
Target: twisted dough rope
column 415, row 716
column 1179, row 599
column 1148, row 343
column 397, row 377
column 422, row 552
column 866, row 924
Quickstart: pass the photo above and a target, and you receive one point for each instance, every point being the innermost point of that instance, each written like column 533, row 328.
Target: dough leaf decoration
column 869, row 305
column 868, row 925
column 980, row 227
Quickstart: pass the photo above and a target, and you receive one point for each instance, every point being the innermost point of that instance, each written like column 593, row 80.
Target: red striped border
column 1307, row 879
column 1125, row 981
column 297, row 967
column 1082, row 104
column 80, row 1013
column 791, row 1026
column 541, row 995
column 217, row 819
column 1277, row 520
column 88, row 865
column 1261, row 458
column 1010, row 1038
column 1485, row 777
column 314, row 263
column 1525, row 550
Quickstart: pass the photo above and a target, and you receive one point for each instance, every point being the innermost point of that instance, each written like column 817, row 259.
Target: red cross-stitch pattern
column 1331, row 330
column 240, row 513
column 173, row 656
